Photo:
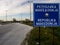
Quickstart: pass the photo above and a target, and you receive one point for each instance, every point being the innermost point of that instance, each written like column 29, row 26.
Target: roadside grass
column 46, row 36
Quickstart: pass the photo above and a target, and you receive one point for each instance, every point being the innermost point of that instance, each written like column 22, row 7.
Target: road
column 13, row 34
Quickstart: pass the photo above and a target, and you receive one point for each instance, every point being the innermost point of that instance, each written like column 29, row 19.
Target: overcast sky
column 15, row 9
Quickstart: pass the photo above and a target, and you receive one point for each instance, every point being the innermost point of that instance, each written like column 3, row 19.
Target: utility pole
column 6, row 10
column 30, row 8
column 21, row 17
column 30, row 11
column 6, row 15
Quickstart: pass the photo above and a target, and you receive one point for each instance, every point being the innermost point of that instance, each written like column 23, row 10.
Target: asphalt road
column 13, row 34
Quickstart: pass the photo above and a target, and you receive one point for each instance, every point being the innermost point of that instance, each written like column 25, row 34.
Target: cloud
column 14, row 6
column 23, row 9
column 46, row 1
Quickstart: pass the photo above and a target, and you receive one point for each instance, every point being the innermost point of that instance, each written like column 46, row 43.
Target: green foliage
column 14, row 20
column 30, row 23
column 46, row 36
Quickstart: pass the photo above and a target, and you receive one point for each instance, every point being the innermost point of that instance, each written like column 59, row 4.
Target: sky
column 19, row 9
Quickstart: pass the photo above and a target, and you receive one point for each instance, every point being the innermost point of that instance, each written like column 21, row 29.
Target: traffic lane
column 5, row 28
column 16, row 35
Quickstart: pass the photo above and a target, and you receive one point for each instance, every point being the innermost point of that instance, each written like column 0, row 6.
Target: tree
column 14, row 20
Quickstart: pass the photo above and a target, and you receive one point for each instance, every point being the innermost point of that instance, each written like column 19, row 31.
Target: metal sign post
column 46, row 14
column 53, row 35
column 39, row 35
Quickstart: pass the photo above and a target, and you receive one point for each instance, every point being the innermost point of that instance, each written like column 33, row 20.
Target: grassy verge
column 46, row 36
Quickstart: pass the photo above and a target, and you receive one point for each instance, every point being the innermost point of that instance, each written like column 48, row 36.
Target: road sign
column 46, row 14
